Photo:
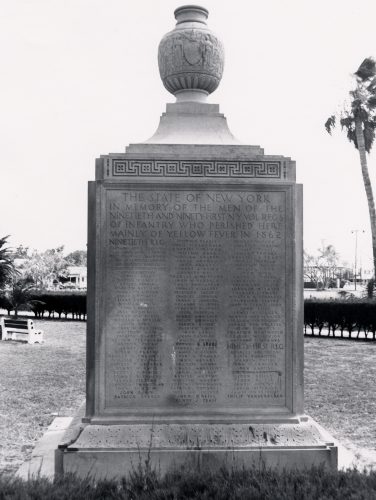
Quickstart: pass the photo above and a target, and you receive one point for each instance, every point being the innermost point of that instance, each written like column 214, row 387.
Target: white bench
column 20, row 329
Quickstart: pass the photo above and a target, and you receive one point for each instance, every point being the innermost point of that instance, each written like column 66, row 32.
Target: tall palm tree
column 359, row 121
column 7, row 270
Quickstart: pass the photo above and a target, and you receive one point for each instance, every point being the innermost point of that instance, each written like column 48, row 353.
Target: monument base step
column 109, row 451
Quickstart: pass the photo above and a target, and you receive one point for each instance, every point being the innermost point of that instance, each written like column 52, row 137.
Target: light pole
column 356, row 231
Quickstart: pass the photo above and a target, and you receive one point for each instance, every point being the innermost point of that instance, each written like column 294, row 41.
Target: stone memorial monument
column 195, row 302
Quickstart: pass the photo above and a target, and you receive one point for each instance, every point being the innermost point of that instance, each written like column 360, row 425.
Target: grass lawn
column 36, row 383
column 39, row 381
column 339, row 392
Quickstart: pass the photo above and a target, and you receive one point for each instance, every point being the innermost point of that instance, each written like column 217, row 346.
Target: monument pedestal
column 114, row 450
column 195, row 293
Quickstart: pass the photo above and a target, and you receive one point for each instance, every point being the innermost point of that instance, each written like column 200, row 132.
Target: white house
column 77, row 276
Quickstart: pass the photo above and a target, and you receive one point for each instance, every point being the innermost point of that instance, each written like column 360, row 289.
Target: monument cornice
column 267, row 168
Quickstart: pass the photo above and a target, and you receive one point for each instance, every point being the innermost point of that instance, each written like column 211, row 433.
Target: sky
column 79, row 78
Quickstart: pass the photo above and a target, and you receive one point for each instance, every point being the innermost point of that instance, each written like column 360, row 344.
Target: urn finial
column 191, row 57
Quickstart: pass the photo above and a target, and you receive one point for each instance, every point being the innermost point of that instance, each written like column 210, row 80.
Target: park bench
column 20, row 329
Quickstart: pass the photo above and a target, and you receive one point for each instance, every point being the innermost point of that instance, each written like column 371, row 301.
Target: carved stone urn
column 191, row 57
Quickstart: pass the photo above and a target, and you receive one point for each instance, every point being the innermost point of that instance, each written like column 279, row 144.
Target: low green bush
column 257, row 484
column 351, row 316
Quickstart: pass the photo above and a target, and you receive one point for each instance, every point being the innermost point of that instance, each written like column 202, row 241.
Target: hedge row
column 351, row 316
column 54, row 304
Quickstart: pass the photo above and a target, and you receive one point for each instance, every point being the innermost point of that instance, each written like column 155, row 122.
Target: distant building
column 326, row 276
column 76, row 278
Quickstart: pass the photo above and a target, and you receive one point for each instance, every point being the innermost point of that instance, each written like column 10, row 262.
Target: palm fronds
column 367, row 69
column 7, row 269
column 330, row 124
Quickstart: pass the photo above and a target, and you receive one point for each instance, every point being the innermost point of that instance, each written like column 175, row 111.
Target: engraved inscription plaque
column 196, row 311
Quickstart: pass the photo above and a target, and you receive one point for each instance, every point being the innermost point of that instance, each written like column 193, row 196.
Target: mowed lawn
column 39, row 381
column 340, row 392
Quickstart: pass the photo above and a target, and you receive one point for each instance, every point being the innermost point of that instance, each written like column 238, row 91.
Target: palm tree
column 359, row 121
column 7, row 269
column 20, row 295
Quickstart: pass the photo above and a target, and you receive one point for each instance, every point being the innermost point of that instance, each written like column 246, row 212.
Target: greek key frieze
column 183, row 168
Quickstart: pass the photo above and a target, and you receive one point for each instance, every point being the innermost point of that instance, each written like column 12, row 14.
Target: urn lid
column 191, row 57
column 191, row 13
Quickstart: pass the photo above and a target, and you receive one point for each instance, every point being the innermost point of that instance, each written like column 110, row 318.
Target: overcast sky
column 79, row 78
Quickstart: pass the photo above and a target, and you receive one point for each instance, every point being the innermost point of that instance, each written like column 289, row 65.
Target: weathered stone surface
column 194, row 164
column 115, row 450
column 201, row 322
column 191, row 57
column 116, row 464
column 200, row 436
column 192, row 123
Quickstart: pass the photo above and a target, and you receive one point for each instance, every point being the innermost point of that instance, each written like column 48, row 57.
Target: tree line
column 25, row 274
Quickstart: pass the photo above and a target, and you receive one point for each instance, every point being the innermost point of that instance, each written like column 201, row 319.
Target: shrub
column 58, row 303
column 356, row 315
